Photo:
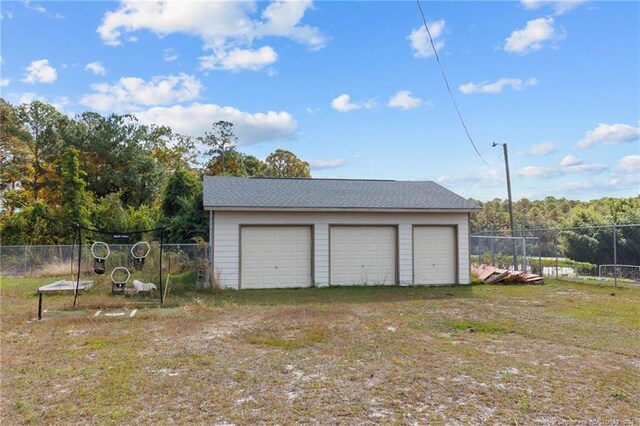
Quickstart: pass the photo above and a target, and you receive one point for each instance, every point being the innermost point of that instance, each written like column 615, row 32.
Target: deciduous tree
column 285, row 164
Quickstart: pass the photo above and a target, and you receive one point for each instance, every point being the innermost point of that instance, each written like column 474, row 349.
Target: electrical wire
column 446, row 82
column 499, row 159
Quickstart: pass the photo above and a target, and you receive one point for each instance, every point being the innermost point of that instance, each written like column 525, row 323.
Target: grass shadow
column 340, row 294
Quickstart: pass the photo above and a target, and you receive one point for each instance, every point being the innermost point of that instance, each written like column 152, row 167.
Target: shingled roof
column 243, row 193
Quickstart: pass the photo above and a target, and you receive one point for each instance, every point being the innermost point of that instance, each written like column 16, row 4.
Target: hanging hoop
column 138, row 258
column 118, row 283
column 98, row 261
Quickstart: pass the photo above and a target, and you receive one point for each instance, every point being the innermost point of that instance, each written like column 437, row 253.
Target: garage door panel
column 434, row 259
column 275, row 257
column 363, row 254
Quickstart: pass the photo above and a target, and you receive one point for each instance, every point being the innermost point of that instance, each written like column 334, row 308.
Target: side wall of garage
column 227, row 226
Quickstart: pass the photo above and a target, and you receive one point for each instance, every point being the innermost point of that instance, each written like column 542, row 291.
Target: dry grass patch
column 558, row 353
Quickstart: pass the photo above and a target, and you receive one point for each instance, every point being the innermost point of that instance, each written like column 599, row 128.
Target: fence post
column 493, row 251
column 555, row 243
column 615, row 256
column 540, row 256
column 24, row 269
column 525, row 264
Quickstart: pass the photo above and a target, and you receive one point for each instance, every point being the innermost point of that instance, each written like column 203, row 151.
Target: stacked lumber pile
column 492, row 275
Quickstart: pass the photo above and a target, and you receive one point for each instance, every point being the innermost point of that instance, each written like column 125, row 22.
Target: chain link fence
column 605, row 253
column 61, row 260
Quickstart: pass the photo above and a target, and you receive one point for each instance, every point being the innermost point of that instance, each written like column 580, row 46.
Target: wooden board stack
column 492, row 275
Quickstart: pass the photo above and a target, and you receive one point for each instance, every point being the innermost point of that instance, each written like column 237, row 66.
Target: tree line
column 592, row 243
column 113, row 173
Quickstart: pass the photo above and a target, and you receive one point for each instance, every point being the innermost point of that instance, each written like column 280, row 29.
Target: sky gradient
column 354, row 87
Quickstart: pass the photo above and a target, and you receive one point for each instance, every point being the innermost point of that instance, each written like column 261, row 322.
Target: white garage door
column 434, row 255
column 275, row 256
column 363, row 255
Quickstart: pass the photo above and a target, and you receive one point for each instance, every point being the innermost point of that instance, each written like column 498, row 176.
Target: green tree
column 110, row 214
column 254, row 166
column 15, row 158
column 75, row 202
column 232, row 165
column 190, row 224
column 143, row 217
column 117, row 154
column 43, row 123
column 42, row 227
column 182, row 182
column 285, row 164
column 183, row 214
column 172, row 150
column 221, row 142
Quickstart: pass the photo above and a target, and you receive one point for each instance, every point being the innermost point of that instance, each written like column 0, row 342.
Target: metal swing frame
column 79, row 239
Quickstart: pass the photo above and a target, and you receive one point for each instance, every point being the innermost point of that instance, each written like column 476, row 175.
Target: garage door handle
column 276, row 267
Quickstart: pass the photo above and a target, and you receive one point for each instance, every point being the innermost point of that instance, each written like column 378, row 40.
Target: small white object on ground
column 133, row 313
column 97, row 313
column 140, row 286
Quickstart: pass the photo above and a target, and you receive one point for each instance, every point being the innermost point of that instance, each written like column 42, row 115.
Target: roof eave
column 342, row 209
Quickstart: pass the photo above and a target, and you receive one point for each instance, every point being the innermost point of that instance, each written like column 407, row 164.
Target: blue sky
column 354, row 87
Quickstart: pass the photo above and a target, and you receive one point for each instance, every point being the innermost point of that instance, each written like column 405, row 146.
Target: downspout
column 211, row 225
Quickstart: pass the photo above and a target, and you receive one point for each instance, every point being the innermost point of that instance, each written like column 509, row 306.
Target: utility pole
column 506, row 164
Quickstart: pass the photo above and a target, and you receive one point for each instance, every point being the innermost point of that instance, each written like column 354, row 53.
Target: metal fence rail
column 59, row 260
column 603, row 253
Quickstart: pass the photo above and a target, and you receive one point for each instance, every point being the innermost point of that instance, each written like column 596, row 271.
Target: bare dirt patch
column 552, row 354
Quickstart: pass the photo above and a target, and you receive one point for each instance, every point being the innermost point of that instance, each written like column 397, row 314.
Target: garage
column 279, row 233
column 363, row 255
column 275, row 256
column 434, row 254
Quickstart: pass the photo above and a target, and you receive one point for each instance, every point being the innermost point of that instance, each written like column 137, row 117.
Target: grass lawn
column 557, row 353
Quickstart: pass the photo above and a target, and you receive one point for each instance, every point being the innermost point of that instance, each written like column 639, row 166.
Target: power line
column 446, row 82
column 497, row 159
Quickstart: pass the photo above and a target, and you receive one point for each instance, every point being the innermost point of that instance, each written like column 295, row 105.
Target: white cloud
column 538, row 172
column 630, row 181
column 61, row 103
column 227, row 28
column 551, row 172
column 4, row 82
column 559, row 7
column 610, row 134
column 240, row 59
column 343, row 103
column 169, row 54
column 131, row 93
column 532, row 36
column 40, row 72
column 492, row 178
column 327, row 164
column 404, row 100
column 496, row 87
column 96, row 67
column 587, row 168
column 282, row 18
column 197, row 118
column 629, row 164
column 38, row 8
column 577, row 186
column 370, row 104
column 419, row 39
column 543, row 148
column 570, row 160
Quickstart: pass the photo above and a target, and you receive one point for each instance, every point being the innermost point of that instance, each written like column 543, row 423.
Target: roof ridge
column 317, row 179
